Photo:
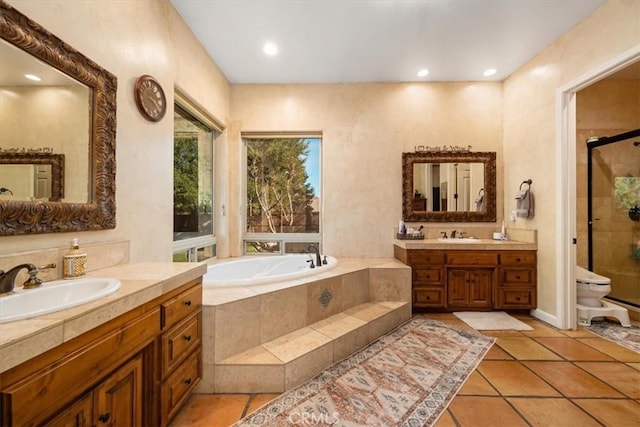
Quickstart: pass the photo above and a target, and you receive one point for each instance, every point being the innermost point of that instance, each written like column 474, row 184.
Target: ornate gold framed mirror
column 28, row 217
column 443, row 186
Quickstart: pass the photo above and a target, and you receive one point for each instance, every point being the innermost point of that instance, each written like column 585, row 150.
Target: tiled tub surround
column 141, row 282
column 273, row 337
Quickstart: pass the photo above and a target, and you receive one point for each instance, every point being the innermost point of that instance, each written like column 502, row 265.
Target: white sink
column 459, row 240
column 54, row 296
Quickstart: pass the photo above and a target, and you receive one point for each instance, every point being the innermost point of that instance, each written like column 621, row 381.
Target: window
column 193, row 159
column 283, row 194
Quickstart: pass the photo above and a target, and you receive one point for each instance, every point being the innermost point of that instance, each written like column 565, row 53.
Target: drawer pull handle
column 518, row 277
column 428, row 298
column 104, row 417
column 187, row 302
column 187, row 337
column 187, row 381
column 517, row 259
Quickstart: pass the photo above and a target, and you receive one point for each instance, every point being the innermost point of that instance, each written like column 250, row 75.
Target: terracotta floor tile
column 511, row 378
column 610, row 412
column 572, row 349
column 445, row 420
column 496, row 353
column 618, row 375
column 211, row 410
column 477, row 386
column 579, row 333
column 540, row 329
column 440, row 316
column 501, row 333
column 484, row 411
column 526, row 349
column 552, row 412
column 571, row 381
column 259, row 400
column 634, row 365
column 614, row 350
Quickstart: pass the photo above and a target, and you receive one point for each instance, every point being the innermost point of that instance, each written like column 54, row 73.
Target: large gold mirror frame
column 409, row 212
column 21, row 217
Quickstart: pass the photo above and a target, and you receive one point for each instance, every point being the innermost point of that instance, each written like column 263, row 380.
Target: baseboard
column 546, row 317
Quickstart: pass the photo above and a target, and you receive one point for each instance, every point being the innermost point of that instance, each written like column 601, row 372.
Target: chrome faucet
column 453, row 234
column 7, row 279
column 314, row 249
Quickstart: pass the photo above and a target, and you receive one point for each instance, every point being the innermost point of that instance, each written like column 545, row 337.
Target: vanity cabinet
column 471, row 279
column 115, row 374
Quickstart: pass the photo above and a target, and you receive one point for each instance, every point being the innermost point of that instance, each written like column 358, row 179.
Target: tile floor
column 543, row 377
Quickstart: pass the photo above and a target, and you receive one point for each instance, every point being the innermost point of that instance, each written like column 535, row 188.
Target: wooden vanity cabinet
column 471, row 279
column 114, row 374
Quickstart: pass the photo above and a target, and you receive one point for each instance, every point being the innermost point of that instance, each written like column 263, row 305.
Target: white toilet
column 591, row 288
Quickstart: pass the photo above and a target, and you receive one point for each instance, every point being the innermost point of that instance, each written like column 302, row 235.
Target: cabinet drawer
column 515, row 259
column 181, row 306
column 180, row 341
column 177, row 387
column 428, row 297
column 472, row 258
column 425, row 257
column 518, row 276
column 427, row 276
column 521, row 298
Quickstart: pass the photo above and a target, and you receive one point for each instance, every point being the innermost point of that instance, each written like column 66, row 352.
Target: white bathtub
column 259, row 270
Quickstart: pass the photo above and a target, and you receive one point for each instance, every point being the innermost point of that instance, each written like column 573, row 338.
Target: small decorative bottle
column 73, row 263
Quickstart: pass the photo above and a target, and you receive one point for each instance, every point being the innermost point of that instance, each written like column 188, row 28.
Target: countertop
column 140, row 283
column 479, row 244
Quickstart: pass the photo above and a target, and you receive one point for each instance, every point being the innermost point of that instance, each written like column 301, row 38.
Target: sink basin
column 54, row 296
column 458, row 240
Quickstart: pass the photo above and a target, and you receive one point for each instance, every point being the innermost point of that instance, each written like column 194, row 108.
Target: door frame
column 566, row 185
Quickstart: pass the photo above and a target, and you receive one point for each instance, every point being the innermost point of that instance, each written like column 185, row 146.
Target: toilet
column 591, row 288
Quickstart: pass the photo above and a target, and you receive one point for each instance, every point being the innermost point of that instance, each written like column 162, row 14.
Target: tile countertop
column 480, row 244
column 22, row 340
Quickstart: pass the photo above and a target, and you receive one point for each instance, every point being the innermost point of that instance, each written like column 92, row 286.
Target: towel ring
column 526, row 181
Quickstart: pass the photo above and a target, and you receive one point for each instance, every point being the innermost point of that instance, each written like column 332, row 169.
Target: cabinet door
column 118, row 399
column 457, row 287
column 480, row 286
column 76, row 415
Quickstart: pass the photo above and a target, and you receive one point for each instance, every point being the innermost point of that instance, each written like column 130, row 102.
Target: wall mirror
column 31, row 176
column 443, row 186
column 72, row 111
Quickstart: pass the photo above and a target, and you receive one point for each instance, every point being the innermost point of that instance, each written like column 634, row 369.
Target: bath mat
column 407, row 377
column 613, row 331
column 491, row 321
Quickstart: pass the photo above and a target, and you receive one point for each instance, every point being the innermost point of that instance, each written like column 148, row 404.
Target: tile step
column 289, row 360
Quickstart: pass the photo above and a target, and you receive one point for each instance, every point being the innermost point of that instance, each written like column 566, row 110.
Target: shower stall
column 613, row 213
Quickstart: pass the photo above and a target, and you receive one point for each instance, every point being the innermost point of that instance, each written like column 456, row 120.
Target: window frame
column 193, row 244
column 281, row 238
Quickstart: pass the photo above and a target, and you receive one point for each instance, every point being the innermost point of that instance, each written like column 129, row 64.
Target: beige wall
column 530, row 122
column 131, row 38
column 366, row 127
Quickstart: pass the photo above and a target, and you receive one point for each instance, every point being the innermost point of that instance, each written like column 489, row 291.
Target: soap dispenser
column 74, row 262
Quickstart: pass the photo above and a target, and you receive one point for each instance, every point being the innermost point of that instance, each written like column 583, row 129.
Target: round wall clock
column 150, row 98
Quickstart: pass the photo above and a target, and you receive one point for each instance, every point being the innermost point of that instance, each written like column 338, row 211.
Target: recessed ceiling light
column 422, row 73
column 489, row 72
column 33, row 77
column 270, row 49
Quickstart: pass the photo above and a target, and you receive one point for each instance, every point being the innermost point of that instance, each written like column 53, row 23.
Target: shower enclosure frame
column 591, row 145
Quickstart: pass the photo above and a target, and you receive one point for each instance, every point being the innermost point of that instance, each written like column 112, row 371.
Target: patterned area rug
column 491, row 321
column 626, row 337
column 405, row 378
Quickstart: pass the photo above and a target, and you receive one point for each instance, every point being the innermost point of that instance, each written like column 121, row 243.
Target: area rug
column 407, row 377
column 491, row 321
column 626, row 337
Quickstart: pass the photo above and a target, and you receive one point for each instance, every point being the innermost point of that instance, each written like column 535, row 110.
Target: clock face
column 150, row 98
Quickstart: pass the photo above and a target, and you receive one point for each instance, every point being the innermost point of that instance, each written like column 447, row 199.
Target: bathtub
column 259, row 270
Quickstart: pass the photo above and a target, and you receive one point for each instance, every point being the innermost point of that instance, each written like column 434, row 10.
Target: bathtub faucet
column 312, row 248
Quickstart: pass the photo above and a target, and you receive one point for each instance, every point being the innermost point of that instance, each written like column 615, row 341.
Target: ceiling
column 348, row 41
